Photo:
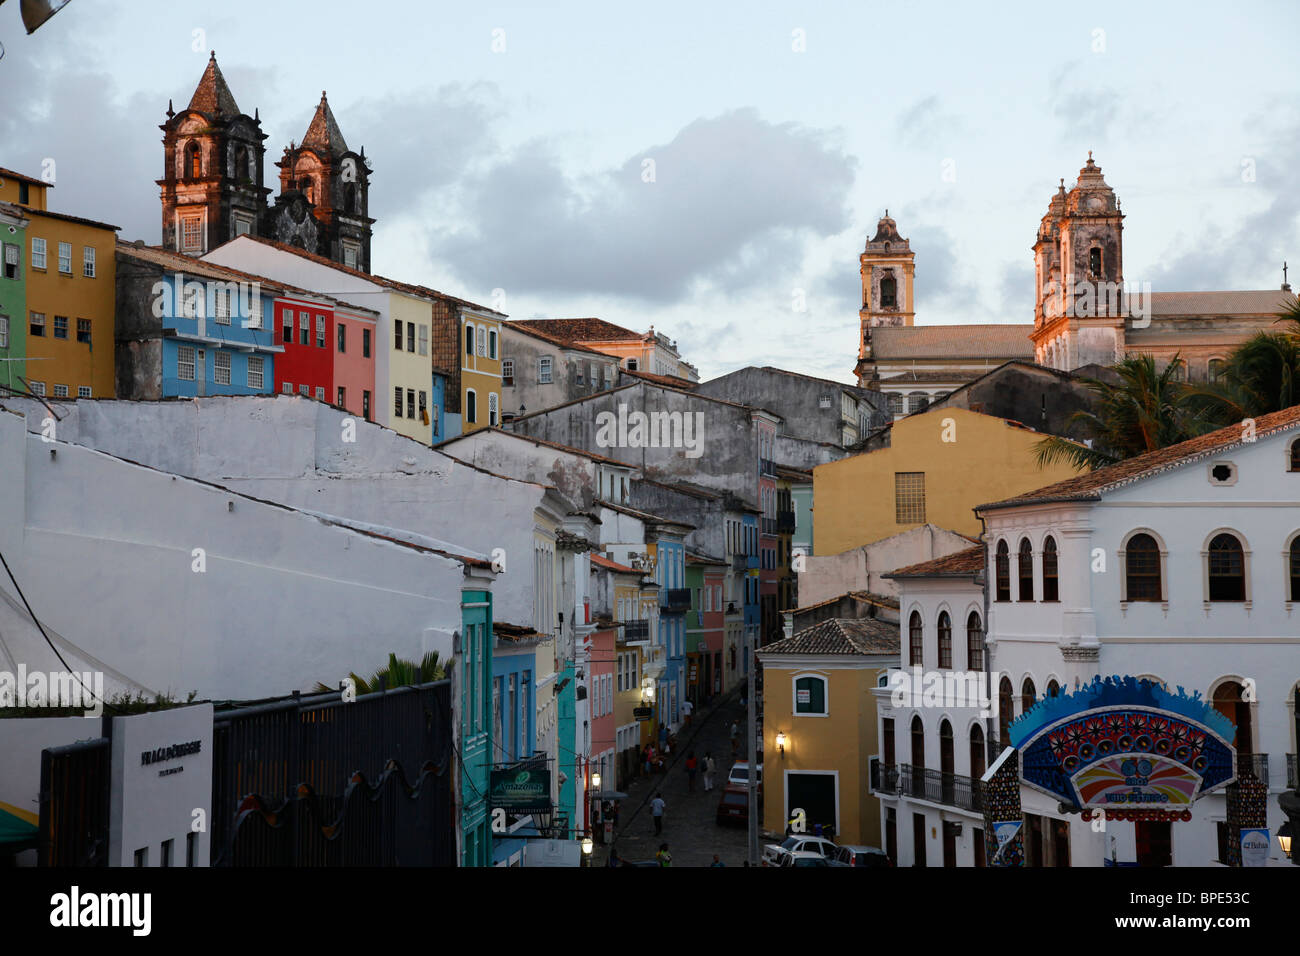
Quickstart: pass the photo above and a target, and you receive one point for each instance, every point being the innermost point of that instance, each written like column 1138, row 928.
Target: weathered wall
column 861, row 569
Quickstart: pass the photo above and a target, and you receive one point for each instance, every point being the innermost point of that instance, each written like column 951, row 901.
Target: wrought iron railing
column 675, row 599
column 636, row 631
column 785, row 521
column 949, row 789
column 1292, row 778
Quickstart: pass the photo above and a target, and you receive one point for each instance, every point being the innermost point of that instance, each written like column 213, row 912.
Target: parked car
column 798, row 843
column 806, row 858
column 862, row 856
column 739, row 775
column 733, row 808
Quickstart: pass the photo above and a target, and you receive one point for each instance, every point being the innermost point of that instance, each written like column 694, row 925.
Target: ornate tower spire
column 887, row 267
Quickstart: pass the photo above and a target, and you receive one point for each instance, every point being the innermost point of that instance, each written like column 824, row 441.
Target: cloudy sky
column 691, row 165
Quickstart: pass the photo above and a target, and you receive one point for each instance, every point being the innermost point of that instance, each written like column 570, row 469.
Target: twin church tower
column 212, row 187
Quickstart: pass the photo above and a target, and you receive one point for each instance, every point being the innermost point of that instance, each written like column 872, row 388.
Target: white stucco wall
column 861, row 569
column 104, row 550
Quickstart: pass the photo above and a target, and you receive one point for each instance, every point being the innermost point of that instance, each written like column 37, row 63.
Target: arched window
column 918, row 402
column 945, row 640
column 974, row 642
column 241, row 163
column 193, row 161
column 1025, row 570
column 1142, row 569
column 810, row 695
column 977, row 752
column 888, row 292
column 469, row 340
column 915, row 647
column 1295, row 569
column 897, row 405
column 1051, row 586
column 918, row 741
column 1295, row 455
column 1227, row 569
column 1005, row 709
column 1028, row 695
column 1216, row 367
column 1094, row 261
column 1228, row 701
column 1053, row 688
column 1002, row 565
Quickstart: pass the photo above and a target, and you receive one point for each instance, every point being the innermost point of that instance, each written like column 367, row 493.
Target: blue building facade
column 514, row 731
column 438, row 409
column 215, row 340
column 674, row 604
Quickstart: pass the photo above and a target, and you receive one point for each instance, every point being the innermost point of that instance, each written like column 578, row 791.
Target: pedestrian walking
column 657, row 812
column 663, row 857
column 649, row 758
column 687, row 707
column 709, row 768
column 692, row 765
column 663, row 737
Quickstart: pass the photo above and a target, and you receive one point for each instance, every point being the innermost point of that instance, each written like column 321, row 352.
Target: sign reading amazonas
column 523, row 786
column 1125, row 744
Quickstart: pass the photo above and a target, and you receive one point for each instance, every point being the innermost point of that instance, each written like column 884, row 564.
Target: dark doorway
column 1060, row 843
column 918, row 838
column 891, row 835
column 1155, row 845
column 977, row 838
column 950, row 844
column 1033, row 840
column 814, row 793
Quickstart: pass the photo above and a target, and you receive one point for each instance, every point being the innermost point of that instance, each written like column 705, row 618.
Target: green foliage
column 121, row 705
column 398, row 673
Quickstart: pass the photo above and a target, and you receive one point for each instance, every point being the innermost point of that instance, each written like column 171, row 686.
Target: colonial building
column 814, row 409
column 651, row 352
column 212, row 185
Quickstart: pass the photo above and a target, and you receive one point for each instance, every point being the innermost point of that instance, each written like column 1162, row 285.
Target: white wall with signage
column 162, row 775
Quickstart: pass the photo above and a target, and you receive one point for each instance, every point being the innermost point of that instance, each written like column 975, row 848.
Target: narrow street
column 690, row 825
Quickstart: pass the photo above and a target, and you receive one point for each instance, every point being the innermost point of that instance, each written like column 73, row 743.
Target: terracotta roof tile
column 959, row 564
column 952, row 342
column 586, row 330
column 10, row 174
column 1089, row 487
column 603, row 562
column 527, row 328
column 1245, row 302
column 849, row 636
column 672, row 381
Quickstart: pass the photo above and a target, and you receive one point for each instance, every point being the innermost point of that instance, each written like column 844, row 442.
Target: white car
column 739, row 774
column 773, row 852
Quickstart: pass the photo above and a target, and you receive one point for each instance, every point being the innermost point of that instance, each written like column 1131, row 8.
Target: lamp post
column 780, row 742
column 1290, row 802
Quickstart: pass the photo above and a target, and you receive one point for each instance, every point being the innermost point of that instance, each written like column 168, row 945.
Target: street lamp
column 780, row 742
column 1284, row 837
column 595, row 781
column 586, row 846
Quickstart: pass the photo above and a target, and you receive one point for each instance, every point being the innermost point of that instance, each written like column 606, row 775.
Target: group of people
column 694, row 766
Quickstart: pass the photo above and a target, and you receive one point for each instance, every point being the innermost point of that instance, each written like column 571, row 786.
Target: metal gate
column 74, row 804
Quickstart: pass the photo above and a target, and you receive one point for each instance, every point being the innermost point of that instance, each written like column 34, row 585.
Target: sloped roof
column 603, row 562
column 29, row 211
column 865, row 597
column 525, row 328
column 861, row 637
column 958, row 564
column 1090, row 487
column 643, row 515
column 672, row 381
column 11, row 174
column 212, row 95
column 590, row 329
column 1245, row 302
column 952, row 342
column 524, row 436
column 323, row 134
column 210, row 270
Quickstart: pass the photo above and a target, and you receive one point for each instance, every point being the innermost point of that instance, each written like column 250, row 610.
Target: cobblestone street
column 690, row 825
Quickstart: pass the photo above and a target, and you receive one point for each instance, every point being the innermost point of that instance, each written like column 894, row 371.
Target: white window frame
column 482, row 342
column 508, row 372
column 320, row 393
column 182, row 362
column 492, row 343
column 60, row 391
column 39, row 253
column 471, row 407
column 545, row 369
column 399, row 400
column 220, row 307
column 320, row 332
column 493, row 409
column 38, row 388
column 794, row 694
column 217, row 367
column 88, row 261
column 286, row 388
column 4, row 331
column 186, row 223
column 304, row 390
column 65, row 258
column 424, row 340
column 83, row 391
column 256, row 369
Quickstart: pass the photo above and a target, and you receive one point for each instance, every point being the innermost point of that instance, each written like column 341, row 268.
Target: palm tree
column 1144, row 410
column 397, row 673
column 1261, row 375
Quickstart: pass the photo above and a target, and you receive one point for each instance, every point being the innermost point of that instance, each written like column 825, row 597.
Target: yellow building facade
column 71, row 296
column 938, row 467
column 819, row 727
column 409, row 372
column 480, row 371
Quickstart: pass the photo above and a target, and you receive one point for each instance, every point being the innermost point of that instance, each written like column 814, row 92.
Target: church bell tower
column 887, row 268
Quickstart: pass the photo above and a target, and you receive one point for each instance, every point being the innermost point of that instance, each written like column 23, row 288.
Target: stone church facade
column 213, row 188
column 1085, row 313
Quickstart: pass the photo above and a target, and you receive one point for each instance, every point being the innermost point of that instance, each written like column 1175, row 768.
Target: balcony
column 740, row 562
column 634, row 631
column 766, row 467
column 922, row 783
column 767, row 525
column 674, row 600
column 785, row 522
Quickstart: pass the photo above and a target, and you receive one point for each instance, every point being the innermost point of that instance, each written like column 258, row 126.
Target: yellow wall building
column 817, row 693
column 409, row 372
column 938, row 467
column 480, row 371
column 71, row 296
